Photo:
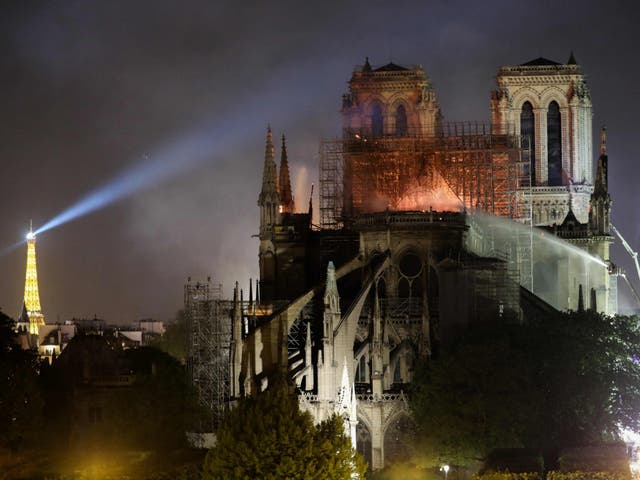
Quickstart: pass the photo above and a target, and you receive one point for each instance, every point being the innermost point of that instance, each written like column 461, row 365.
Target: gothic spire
column 286, row 198
column 600, row 203
column 572, row 59
column 331, row 291
column 331, row 316
column 269, row 172
column 367, row 65
column 580, row 299
column 269, row 200
column 601, row 187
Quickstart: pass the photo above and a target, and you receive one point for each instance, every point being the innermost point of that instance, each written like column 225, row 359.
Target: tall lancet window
column 554, row 144
column 528, row 132
column 401, row 121
column 377, row 122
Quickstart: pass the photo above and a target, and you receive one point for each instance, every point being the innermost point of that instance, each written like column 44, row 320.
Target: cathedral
column 425, row 227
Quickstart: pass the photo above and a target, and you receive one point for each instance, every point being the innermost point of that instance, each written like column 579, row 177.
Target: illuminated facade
column 425, row 228
column 31, row 295
column 550, row 103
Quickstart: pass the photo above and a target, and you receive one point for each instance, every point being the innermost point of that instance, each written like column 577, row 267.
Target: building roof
column 391, row 67
column 540, row 61
column 570, row 220
column 570, row 228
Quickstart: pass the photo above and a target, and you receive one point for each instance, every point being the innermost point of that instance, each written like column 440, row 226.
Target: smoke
column 301, row 188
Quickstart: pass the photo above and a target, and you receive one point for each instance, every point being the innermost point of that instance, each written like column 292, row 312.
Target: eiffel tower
column 31, row 295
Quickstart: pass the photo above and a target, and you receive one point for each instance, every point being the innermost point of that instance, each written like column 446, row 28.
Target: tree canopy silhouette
column 268, row 437
column 573, row 379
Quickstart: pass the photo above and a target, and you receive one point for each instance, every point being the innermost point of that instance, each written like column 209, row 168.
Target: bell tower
column 549, row 104
column 390, row 100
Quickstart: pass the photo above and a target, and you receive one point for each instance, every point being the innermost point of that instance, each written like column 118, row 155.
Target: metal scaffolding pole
column 208, row 348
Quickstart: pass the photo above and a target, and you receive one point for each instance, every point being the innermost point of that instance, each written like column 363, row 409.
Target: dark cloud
column 89, row 88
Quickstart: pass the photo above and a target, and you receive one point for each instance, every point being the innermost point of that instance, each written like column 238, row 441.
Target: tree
column 20, row 400
column 174, row 339
column 567, row 380
column 476, row 396
column 268, row 437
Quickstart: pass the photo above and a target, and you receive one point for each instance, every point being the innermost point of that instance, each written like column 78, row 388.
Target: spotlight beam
column 212, row 138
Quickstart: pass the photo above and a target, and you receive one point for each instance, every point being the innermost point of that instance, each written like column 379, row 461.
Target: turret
column 331, row 305
column 286, row 197
column 327, row 364
column 236, row 343
column 377, row 366
column 310, row 384
column 600, row 211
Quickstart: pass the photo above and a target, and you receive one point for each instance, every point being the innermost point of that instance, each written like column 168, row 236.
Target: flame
column 427, row 192
column 441, row 199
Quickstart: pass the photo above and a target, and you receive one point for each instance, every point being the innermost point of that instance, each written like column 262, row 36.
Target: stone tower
column 549, row 103
column 389, row 100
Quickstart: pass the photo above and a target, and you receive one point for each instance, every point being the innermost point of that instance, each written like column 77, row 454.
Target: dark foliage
column 268, row 437
column 174, row 339
column 20, row 400
column 568, row 380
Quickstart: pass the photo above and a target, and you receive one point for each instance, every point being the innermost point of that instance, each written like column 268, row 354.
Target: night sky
column 90, row 90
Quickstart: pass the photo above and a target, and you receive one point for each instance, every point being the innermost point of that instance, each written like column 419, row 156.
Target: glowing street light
column 445, row 469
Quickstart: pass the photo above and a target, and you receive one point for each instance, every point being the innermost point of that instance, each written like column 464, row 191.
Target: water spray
column 538, row 234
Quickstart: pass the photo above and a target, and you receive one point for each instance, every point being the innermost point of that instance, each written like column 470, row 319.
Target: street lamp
column 445, row 469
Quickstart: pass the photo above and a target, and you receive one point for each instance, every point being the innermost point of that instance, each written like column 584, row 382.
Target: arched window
column 377, row 122
column 397, row 377
column 401, row 121
column 528, row 132
column 554, row 144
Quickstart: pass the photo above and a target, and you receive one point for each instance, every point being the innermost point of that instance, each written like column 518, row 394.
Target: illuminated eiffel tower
column 31, row 296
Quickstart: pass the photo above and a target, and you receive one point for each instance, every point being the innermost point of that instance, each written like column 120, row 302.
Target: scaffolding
column 208, row 348
column 462, row 167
